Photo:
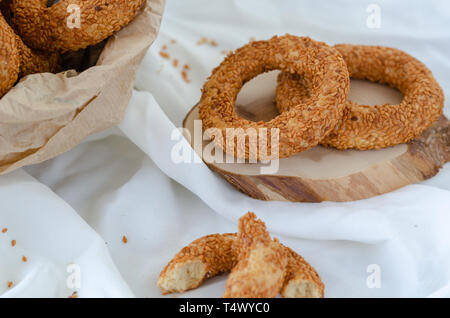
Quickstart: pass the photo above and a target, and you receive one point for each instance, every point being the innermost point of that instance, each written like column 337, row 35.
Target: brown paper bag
column 45, row 115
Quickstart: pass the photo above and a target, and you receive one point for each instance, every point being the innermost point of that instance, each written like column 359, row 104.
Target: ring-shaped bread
column 17, row 60
column 372, row 127
column 9, row 57
column 70, row 25
column 300, row 128
column 260, row 266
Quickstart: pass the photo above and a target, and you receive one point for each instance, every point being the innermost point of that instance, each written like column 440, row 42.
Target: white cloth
column 75, row 209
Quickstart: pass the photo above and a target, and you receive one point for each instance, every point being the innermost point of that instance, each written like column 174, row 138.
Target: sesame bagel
column 260, row 266
column 55, row 28
column 302, row 126
column 9, row 57
column 372, row 127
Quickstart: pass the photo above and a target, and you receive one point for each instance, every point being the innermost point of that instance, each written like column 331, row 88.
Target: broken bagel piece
column 262, row 262
column 260, row 266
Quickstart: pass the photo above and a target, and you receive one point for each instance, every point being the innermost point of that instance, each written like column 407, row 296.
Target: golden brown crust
column 261, row 265
column 372, row 127
column 46, row 29
column 32, row 61
column 259, row 274
column 265, row 266
column 300, row 272
column 9, row 57
column 213, row 251
column 18, row 59
column 291, row 90
column 302, row 126
column 251, row 231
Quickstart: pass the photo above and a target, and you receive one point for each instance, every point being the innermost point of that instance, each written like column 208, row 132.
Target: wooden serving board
column 326, row 174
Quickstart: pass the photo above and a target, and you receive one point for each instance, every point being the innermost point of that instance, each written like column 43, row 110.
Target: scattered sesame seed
column 13, row 243
column 10, row 284
column 164, row 55
column 24, row 259
column 175, row 63
column 5, row 230
column 125, row 239
column 185, row 77
column 203, row 40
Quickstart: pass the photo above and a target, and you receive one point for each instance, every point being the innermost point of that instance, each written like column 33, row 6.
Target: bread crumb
column 173, row 41
column 203, row 40
column 164, row 55
column 10, row 284
column 74, row 295
column 175, row 63
column 13, row 243
column 125, row 239
column 24, row 259
column 184, row 74
column 185, row 77
column 164, row 47
column 5, row 230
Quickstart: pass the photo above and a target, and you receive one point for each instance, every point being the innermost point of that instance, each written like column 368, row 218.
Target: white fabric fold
column 52, row 237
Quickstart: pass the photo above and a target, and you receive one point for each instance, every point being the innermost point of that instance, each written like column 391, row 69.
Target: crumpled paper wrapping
column 45, row 115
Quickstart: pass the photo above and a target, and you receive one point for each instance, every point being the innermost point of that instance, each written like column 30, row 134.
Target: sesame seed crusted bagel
column 50, row 28
column 262, row 262
column 204, row 258
column 372, row 127
column 33, row 61
column 260, row 266
column 18, row 60
column 302, row 126
column 9, row 57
